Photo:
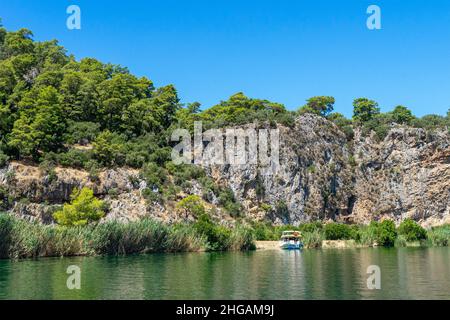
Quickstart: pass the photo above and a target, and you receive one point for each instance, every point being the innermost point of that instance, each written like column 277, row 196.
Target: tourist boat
column 291, row 240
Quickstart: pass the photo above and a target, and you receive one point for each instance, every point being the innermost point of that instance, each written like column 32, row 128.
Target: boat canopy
column 291, row 234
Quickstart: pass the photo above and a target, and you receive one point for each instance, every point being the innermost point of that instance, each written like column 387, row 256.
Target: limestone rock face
column 324, row 176
column 321, row 175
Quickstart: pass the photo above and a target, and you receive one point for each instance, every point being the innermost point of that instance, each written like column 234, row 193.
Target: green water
column 409, row 273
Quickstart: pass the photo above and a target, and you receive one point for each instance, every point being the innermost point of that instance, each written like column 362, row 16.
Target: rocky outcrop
column 322, row 176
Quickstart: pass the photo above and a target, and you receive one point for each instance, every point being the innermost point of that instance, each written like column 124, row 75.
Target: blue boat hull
column 291, row 246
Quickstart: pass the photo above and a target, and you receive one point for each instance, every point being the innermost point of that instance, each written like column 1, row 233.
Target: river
column 406, row 273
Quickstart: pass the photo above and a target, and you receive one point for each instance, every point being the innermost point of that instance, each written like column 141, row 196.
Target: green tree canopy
column 83, row 209
column 320, row 105
column 402, row 115
column 364, row 109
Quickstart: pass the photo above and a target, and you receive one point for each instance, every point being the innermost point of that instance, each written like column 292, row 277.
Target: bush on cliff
column 83, row 209
column 192, row 205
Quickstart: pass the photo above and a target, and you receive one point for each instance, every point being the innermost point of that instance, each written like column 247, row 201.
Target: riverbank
column 22, row 239
column 337, row 244
column 376, row 234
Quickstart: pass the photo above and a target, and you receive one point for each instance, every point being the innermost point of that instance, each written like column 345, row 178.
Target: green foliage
column 218, row 237
column 109, row 149
column 411, row 230
column 379, row 123
column 41, row 124
column 74, row 158
column 311, row 226
column 346, row 125
column 313, row 239
column 83, row 209
column 263, row 231
column 3, row 159
column 440, row 236
column 193, row 205
column 364, row 109
column 338, row 231
column 82, row 132
column 22, row 239
column 154, row 176
column 402, row 115
column 431, row 122
column 321, row 105
column 386, row 233
column 240, row 109
column 228, row 201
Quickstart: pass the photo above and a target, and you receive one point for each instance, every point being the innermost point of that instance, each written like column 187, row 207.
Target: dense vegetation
column 375, row 234
column 50, row 104
column 55, row 110
column 22, row 239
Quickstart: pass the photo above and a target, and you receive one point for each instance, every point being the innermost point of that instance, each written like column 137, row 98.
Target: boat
column 291, row 240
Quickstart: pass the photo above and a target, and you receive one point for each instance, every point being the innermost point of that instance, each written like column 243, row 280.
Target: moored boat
column 291, row 240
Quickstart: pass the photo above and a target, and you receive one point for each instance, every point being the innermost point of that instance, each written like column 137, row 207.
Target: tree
column 320, row 105
column 364, row 109
column 117, row 94
column 193, row 205
column 411, row 230
column 109, row 148
column 41, row 124
column 386, row 233
column 142, row 116
column 240, row 109
column 19, row 42
column 83, row 209
column 402, row 115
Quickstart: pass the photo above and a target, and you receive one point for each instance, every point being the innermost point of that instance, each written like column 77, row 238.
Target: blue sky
column 284, row 50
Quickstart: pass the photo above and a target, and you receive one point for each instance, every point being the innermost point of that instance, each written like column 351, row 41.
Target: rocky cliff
column 322, row 175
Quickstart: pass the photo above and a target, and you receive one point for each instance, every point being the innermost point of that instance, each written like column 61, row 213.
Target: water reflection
column 409, row 273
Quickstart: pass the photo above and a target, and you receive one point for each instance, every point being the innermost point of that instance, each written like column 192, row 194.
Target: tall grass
column 241, row 238
column 440, row 236
column 23, row 239
column 313, row 239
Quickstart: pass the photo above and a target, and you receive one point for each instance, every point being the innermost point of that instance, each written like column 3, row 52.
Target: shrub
column 193, row 205
column 263, row 231
column 83, row 209
column 3, row 159
column 74, row 158
column 411, row 230
column 218, row 237
column 386, row 233
column 337, row 231
column 184, row 237
column 82, row 132
column 109, row 149
column 311, row 226
column 22, row 239
column 155, row 177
